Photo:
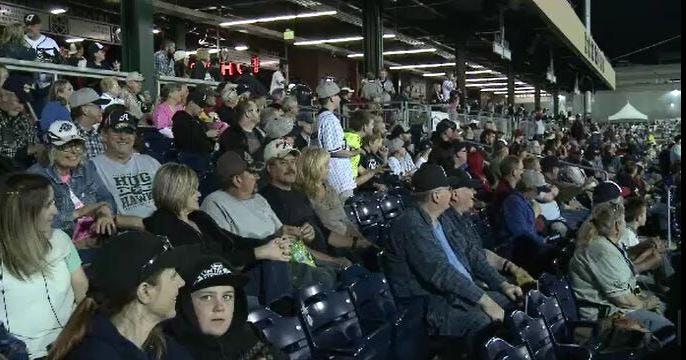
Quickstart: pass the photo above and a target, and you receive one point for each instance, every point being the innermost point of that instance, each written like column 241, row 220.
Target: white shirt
column 278, row 81
column 629, row 238
column 447, row 87
column 112, row 100
column 331, row 139
column 29, row 313
column 252, row 218
column 44, row 45
column 401, row 167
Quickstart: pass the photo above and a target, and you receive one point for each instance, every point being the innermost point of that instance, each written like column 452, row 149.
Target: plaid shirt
column 164, row 65
column 94, row 145
column 16, row 133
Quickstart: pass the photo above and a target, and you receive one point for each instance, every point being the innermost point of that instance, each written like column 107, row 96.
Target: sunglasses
column 166, row 246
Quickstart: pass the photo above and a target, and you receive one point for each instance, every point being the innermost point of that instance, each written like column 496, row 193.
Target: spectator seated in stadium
column 464, row 188
column 243, row 136
column 131, row 94
column 13, row 45
column 373, row 163
column 229, row 100
column 311, row 174
column 57, row 107
column 179, row 218
column 360, row 124
column 280, row 128
column 85, row 207
column 475, row 166
column 41, row 275
column 193, row 139
column 602, row 276
column 127, row 175
column 111, row 92
column 425, row 258
column 499, row 152
column 211, row 321
column 139, row 287
column 399, row 160
column 646, row 254
column 172, row 100
column 86, row 113
column 164, row 59
column 18, row 142
column 302, row 133
column 442, row 139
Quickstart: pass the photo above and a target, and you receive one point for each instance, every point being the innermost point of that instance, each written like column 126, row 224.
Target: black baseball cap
column 444, row 125
column 199, row 97
column 204, row 270
column 242, row 88
column 31, row 19
column 461, row 179
column 118, row 120
column 429, row 177
column 608, row 191
column 21, row 86
column 127, row 259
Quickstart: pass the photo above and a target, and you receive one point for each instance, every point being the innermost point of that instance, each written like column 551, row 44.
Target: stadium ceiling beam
column 214, row 20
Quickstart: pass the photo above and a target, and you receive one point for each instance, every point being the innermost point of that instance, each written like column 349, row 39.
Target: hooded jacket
column 238, row 343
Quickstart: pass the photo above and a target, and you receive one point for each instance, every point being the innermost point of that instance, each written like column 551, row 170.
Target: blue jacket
column 519, row 218
column 104, row 342
column 86, row 185
column 417, row 266
column 53, row 111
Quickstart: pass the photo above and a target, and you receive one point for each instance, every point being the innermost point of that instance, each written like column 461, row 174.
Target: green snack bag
column 300, row 254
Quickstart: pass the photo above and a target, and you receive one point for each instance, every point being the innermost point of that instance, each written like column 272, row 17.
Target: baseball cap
column 429, row 177
column 31, row 19
column 279, row 148
column 231, row 164
column 461, row 179
column 119, row 120
column 134, row 76
column 95, row 47
column 21, row 86
column 609, row 191
column 85, row 96
column 395, row 145
column 534, row 179
column 179, row 55
column 278, row 128
column 130, row 257
column 199, row 97
column 242, row 88
column 61, row 132
column 327, row 89
column 210, row 270
column 549, row 162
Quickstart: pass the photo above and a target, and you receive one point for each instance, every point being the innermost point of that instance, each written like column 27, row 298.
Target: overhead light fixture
column 421, row 66
column 397, row 52
column 276, row 18
column 505, row 89
column 675, row 92
column 479, row 72
column 58, row 11
column 486, row 79
column 213, row 51
column 269, row 62
column 336, row 40
column 433, row 74
column 474, row 66
column 486, row 84
column 241, row 48
column 73, row 40
column 155, row 31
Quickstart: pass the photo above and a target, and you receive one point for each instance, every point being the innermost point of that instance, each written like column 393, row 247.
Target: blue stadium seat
column 499, row 349
column 534, row 333
column 284, row 333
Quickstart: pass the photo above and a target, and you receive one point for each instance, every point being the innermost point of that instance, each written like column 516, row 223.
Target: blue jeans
column 269, row 280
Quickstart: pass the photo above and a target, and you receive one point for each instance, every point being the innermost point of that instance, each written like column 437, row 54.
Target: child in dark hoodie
column 211, row 318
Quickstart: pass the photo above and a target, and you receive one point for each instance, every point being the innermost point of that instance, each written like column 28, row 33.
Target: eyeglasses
column 74, row 148
column 166, row 246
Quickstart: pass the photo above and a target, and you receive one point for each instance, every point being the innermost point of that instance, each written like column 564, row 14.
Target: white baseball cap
column 279, row 148
column 61, row 132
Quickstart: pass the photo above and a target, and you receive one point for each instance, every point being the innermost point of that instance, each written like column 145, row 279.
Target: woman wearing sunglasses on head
column 40, row 271
column 138, row 286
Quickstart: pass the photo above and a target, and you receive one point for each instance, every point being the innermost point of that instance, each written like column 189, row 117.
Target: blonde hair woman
column 57, row 107
column 603, row 277
column 312, row 172
column 179, row 218
column 40, row 273
column 111, row 91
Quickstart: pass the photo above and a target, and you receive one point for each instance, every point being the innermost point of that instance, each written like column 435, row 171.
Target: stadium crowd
column 132, row 229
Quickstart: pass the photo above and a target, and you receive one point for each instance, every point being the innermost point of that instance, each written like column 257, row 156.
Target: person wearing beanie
column 138, row 287
column 194, row 141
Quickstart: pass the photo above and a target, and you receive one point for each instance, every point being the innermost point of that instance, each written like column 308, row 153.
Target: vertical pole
column 460, row 64
column 588, row 96
column 537, row 97
column 180, row 34
column 372, row 30
column 137, row 40
column 510, row 86
column 556, row 101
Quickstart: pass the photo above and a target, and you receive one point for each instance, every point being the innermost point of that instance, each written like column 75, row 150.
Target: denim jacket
column 85, row 184
column 417, row 266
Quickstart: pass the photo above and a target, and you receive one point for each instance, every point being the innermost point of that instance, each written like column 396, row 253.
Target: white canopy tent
column 628, row 114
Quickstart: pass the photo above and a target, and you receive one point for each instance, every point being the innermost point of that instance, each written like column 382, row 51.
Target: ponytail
column 75, row 330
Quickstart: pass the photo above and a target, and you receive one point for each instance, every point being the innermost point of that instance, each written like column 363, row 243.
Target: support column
column 588, row 99
column 556, row 101
column 372, row 30
column 460, row 66
column 510, row 85
column 137, row 41
column 537, row 97
column 180, row 34
column 588, row 96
